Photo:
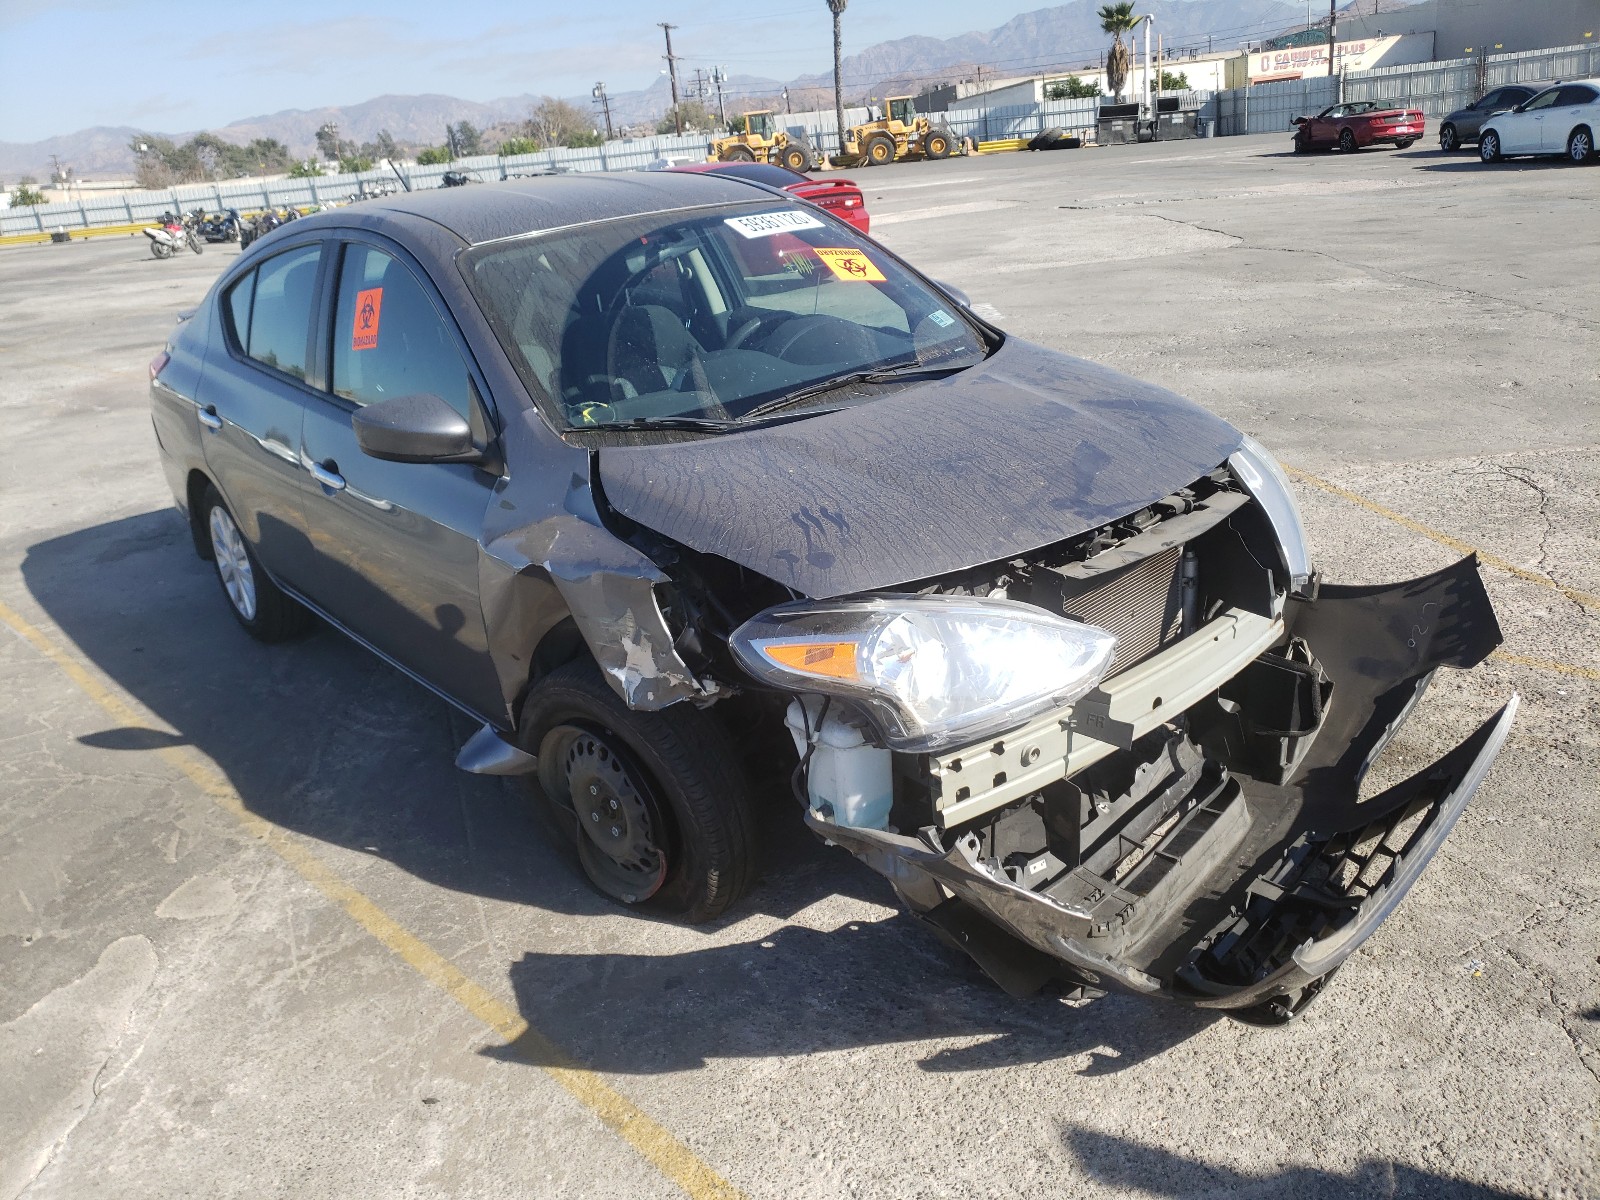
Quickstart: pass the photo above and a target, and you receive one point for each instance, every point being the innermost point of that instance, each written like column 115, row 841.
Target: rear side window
column 388, row 338
column 1576, row 93
column 280, row 310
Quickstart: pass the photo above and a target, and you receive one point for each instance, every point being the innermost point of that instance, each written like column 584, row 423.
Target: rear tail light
column 159, row 364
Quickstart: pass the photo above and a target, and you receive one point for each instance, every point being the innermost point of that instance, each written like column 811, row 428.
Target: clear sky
column 68, row 64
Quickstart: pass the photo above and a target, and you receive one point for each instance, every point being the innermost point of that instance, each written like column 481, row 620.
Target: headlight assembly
column 1261, row 474
column 932, row 671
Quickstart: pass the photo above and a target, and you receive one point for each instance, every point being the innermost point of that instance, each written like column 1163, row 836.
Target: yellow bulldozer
column 759, row 140
column 903, row 135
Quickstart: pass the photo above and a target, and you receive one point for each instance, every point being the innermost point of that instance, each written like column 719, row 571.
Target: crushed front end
column 1189, row 823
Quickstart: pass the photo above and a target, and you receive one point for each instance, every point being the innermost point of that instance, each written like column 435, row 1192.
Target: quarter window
column 388, row 338
column 280, row 310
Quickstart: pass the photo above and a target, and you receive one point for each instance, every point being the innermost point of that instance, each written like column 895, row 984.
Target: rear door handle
column 209, row 418
column 329, row 479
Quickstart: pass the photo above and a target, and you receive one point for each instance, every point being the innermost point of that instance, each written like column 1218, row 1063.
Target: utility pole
column 672, row 72
column 604, row 102
column 786, row 107
column 719, row 76
column 1333, row 28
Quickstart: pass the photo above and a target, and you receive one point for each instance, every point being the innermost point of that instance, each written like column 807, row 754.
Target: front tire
column 1580, row 146
column 1347, row 142
column 936, row 145
column 1489, row 146
column 262, row 609
column 796, row 159
column 879, row 151
column 1449, row 140
column 656, row 802
column 739, row 154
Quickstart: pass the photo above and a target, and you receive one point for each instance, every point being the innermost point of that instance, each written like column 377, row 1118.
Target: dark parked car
column 1461, row 127
column 672, row 483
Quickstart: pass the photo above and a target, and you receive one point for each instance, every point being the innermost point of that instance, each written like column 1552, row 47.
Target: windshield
column 709, row 316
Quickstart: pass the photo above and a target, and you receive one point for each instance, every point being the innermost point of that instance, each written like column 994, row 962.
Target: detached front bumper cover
column 1290, row 871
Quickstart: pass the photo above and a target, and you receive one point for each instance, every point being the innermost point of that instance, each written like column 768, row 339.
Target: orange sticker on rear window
column 369, row 307
column 850, row 264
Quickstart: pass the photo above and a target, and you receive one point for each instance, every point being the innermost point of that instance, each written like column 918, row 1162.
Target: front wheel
column 1449, row 141
column 739, row 154
column 796, row 159
column 656, row 802
column 194, row 243
column 937, row 144
column 879, row 150
column 1347, row 141
column 1489, row 146
column 1580, row 146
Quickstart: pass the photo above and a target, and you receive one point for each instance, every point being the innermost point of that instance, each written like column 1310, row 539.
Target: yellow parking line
column 1444, row 539
column 1546, row 664
column 619, row 1114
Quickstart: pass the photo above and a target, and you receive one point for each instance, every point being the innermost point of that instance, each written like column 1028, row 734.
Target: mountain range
column 1064, row 36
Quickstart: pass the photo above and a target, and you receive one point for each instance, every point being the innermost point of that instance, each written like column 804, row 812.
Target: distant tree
column 518, row 145
column 589, row 137
column 695, row 115
column 432, row 155
column 1117, row 19
column 354, row 164
column 553, row 122
column 1174, row 83
column 1071, row 88
column 463, row 139
column 382, row 146
column 309, row 169
column 328, row 141
column 25, row 195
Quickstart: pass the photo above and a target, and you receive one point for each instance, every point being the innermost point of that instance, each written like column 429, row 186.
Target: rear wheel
column 1347, row 141
column 879, row 150
column 160, row 249
column 1403, row 143
column 656, row 802
column 1449, row 141
column 1489, row 146
column 937, row 144
column 1580, row 146
column 259, row 605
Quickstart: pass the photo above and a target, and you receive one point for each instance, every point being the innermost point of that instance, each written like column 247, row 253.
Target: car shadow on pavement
column 322, row 738
column 1473, row 164
column 802, row 990
column 1130, row 1166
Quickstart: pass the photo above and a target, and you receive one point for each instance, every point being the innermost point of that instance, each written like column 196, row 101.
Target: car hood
column 1027, row 448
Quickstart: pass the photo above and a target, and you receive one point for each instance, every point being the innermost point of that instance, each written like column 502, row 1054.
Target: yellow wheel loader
column 903, row 135
column 761, row 141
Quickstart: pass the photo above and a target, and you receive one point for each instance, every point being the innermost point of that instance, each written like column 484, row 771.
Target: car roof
column 484, row 212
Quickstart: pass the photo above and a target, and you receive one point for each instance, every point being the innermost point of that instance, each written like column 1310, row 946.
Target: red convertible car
column 841, row 197
column 1357, row 124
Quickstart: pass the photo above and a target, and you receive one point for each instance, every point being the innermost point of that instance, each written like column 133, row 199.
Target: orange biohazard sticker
column 853, row 265
column 369, row 307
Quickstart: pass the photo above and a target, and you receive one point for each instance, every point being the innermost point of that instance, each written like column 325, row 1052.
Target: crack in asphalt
column 1586, row 1054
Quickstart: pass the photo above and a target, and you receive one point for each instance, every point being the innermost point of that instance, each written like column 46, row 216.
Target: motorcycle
column 264, row 223
column 221, row 227
column 172, row 235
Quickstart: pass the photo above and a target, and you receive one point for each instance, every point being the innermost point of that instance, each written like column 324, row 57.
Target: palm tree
column 1117, row 19
column 836, row 7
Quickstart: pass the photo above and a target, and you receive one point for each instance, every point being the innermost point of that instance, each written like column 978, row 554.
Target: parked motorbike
column 172, row 235
column 263, row 224
column 221, row 227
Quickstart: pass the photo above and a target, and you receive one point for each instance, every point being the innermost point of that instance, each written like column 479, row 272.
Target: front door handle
column 209, row 418
column 328, row 478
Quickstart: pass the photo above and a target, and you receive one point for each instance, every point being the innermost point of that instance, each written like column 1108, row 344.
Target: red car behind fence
column 841, row 197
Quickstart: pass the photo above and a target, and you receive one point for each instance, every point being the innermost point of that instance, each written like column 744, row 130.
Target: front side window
column 388, row 338
column 1543, row 100
column 713, row 316
column 280, row 310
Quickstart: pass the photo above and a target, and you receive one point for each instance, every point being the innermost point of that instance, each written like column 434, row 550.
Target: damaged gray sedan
column 672, row 482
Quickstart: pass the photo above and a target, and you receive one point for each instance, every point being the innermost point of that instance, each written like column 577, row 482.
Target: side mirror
column 414, row 429
column 955, row 293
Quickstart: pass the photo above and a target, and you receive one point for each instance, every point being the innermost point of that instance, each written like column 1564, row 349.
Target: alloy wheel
column 233, row 563
column 1580, row 146
column 1448, row 142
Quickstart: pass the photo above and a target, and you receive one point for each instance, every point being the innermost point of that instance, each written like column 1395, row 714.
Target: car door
column 252, row 404
column 1523, row 132
column 1324, row 129
column 395, row 545
column 1565, row 114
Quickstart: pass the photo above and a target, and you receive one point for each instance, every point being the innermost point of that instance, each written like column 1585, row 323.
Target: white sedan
column 1562, row 119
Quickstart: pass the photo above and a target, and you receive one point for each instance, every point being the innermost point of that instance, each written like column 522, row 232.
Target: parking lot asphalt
column 259, row 938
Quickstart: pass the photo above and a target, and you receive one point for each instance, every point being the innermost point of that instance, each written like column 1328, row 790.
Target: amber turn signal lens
column 832, row 660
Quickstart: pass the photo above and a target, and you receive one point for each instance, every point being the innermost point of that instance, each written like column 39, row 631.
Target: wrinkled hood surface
column 1025, row 449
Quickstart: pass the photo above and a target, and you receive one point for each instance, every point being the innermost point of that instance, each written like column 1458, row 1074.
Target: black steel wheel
column 1449, row 140
column 656, row 802
column 1347, row 141
column 1489, row 146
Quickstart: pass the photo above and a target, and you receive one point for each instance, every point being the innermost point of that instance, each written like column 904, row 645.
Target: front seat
column 649, row 351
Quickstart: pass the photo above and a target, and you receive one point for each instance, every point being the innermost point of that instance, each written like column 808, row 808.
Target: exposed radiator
column 1141, row 604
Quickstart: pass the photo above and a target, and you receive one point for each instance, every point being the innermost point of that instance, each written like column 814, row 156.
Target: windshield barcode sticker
column 769, row 223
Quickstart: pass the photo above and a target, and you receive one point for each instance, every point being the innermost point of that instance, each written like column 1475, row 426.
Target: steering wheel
column 742, row 334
